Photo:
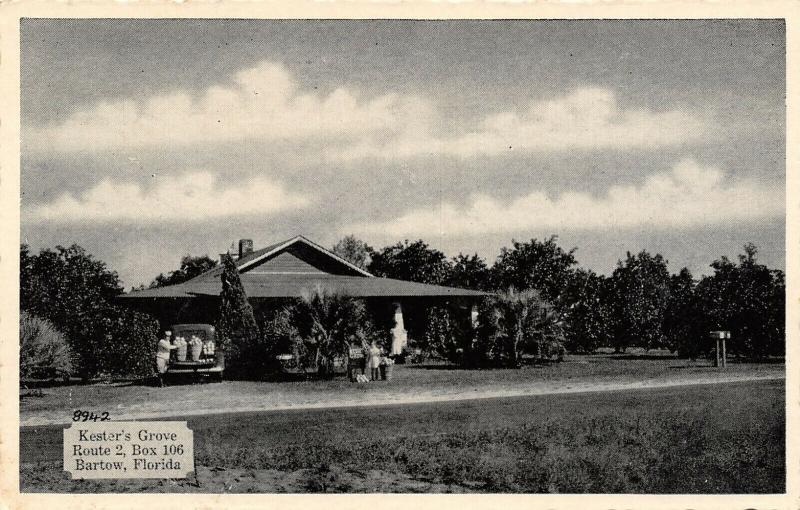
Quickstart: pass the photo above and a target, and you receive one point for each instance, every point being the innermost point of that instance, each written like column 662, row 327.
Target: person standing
column 165, row 346
column 374, row 361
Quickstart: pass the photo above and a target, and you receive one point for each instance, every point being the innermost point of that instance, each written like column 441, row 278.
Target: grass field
column 722, row 438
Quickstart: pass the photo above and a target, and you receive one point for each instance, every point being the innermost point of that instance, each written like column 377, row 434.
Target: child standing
column 374, row 360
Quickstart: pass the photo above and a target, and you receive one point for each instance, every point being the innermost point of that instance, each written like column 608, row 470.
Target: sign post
column 724, row 351
column 720, row 336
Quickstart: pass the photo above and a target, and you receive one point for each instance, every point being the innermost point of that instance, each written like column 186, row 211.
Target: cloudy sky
column 144, row 140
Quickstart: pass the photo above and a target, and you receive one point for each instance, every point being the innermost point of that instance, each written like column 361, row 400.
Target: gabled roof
column 257, row 256
column 345, row 278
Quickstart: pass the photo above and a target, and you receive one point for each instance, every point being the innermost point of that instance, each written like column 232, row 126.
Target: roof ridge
column 218, row 268
column 267, row 250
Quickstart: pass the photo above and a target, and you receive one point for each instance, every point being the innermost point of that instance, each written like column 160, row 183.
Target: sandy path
column 255, row 404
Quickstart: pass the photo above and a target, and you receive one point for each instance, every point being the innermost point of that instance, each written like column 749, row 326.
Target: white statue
column 399, row 333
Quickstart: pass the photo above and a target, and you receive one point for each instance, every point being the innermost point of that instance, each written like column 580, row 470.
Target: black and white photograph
column 418, row 256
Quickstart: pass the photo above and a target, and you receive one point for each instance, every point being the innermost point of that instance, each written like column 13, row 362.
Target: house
column 291, row 269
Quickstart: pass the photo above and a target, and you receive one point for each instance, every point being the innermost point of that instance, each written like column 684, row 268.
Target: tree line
column 639, row 305
column 71, row 295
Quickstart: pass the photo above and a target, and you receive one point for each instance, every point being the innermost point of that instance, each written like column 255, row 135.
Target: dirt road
column 214, row 399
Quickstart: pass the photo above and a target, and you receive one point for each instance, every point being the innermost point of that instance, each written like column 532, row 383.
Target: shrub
column 278, row 336
column 43, row 350
column 236, row 327
column 278, row 331
column 450, row 334
column 118, row 342
column 124, row 343
column 482, row 350
column 441, row 338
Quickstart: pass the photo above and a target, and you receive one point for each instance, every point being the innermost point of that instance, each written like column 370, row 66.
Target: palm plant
column 327, row 323
column 523, row 322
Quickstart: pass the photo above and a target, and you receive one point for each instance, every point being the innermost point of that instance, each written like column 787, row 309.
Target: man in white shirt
column 165, row 346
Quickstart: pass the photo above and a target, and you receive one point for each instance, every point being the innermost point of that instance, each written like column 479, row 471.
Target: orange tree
column 747, row 299
column 686, row 325
column 190, row 267
column 75, row 291
column 639, row 300
column 353, row 250
column 540, row 265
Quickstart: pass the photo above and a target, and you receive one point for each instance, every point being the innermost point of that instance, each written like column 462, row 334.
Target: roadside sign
column 721, row 355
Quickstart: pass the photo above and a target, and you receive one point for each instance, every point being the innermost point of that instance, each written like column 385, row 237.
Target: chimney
column 245, row 247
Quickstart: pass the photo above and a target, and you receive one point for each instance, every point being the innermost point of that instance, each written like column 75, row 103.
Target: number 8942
column 79, row 415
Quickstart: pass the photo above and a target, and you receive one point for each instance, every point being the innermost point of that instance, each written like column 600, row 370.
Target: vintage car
column 211, row 360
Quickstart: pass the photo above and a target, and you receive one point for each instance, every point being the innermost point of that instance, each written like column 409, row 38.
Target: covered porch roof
column 293, row 286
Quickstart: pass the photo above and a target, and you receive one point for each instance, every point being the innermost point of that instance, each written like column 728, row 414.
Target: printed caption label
column 129, row 449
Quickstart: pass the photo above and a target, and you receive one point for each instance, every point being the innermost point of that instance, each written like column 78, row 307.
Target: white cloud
column 586, row 118
column 263, row 103
column 189, row 197
column 689, row 195
column 266, row 103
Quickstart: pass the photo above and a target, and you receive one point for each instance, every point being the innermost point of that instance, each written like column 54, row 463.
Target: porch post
column 399, row 333
column 473, row 315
